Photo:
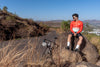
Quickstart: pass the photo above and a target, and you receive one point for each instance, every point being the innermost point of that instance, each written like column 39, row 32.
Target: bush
column 65, row 25
column 10, row 18
column 44, row 25
column 5, row 9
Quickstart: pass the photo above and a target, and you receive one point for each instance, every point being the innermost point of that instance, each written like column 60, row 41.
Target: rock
column 83, row 64
column 29, row 65
column 88, row 51
column 18, row 53
column 22, row 52
column 49, row 64
column 66, row 55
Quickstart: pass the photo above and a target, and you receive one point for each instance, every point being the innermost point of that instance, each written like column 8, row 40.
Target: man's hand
column 75, row 34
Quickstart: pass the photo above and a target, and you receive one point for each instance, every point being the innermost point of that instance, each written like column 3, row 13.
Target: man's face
column 75, row 18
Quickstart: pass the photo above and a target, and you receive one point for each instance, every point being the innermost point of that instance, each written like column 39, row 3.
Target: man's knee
column 70, row 35
column 80, row 38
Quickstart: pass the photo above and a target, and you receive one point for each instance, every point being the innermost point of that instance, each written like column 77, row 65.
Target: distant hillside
column 93, row 22
column 57, row 23
column 12, row 27
column 52, row 23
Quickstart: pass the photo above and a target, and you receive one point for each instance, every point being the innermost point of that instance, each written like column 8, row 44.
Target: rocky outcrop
column 88, row 51
column 28, row 53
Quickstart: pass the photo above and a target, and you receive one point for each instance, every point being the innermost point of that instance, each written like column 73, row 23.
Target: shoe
column 67, row 47
column 76, row 50
column 72, row 49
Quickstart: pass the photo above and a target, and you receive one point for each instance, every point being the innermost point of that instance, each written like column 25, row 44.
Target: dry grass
column 12, row 56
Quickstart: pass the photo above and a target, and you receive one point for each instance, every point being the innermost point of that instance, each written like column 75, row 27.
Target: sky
column 46, row 10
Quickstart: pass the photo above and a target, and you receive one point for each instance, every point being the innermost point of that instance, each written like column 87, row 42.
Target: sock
column 77, row 47
column 68, row 44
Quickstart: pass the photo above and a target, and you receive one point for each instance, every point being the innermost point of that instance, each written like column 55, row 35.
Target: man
column 76, row 26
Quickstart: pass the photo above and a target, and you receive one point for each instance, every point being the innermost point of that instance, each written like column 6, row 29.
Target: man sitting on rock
column 76, row 26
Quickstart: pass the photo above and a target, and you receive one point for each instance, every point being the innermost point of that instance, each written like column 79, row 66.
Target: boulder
column 88, row 52
column 83, row 64
column 66, row 56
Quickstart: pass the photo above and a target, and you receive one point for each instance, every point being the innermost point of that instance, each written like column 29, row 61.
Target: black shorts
column 78, row 34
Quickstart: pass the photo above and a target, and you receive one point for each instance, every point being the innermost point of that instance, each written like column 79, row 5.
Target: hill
column 12, row 27
column 52, row 23
column 93, row 23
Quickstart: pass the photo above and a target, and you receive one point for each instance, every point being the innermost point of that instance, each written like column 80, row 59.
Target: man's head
column 75, row 17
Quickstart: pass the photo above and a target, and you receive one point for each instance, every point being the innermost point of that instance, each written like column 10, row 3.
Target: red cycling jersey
column 76, row 26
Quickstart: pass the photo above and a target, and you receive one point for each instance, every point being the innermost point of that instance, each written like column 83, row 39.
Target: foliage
column 0, row 9
column 10, row 18
column 87, row 24
column 44, row 25
column 5, row 8
column 65, row 25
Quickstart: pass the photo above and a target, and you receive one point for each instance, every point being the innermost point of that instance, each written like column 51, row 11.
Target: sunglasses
column 74, row 17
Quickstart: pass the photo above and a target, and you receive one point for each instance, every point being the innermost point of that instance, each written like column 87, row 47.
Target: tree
column 65, row 25
column 0, row 9
column 87, row 25
column 5, row 9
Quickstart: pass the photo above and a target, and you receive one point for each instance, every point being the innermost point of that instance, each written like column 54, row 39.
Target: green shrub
column 65, row 25
column 5, row 8
column 10, row 18
column 44, row 25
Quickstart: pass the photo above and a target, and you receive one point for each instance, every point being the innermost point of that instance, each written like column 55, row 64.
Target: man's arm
column 71, row 28
column 81, row 27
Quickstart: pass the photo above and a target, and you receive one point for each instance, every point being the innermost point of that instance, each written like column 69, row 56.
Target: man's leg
column 79, row 43
column 69, row 40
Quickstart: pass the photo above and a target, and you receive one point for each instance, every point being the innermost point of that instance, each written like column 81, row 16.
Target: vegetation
column 0, row 9
column 65, row 25
column 44, row 25
column 5, row 9
column 10, row 18
column 13, row 27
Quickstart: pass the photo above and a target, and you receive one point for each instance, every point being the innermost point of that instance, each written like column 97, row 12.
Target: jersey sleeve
column 81, row 28
column 71, row 26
